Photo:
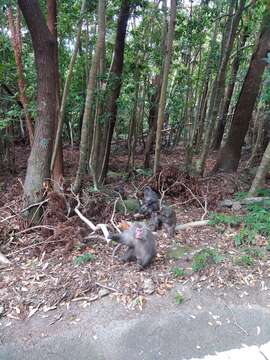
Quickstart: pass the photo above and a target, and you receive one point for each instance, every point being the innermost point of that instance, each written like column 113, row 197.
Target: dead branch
column 234, row 319
column 192, row 224
column 107, row 287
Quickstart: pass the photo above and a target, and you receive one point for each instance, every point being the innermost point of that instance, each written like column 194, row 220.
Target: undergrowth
column 256, row 221
column 204, row 258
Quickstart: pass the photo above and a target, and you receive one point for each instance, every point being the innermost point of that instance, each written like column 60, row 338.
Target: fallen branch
column 192, row 224
column 107, row 287
column 94, row 228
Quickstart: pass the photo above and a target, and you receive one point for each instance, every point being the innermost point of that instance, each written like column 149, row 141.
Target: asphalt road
column 207, row 325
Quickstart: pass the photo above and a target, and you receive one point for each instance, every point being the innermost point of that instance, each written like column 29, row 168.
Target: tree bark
column 66, row 87
column 229, row 155
column 44, row 48
column 58, row 168
column 219, row 84
column 229, row 93
column 88, row 113
column 115, row 81
column 259, row 179
column 162, row 100
column 15, row 31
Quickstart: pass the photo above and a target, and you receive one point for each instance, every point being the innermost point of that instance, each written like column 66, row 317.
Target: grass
column 205, row 258
column 178, row 272
column 83, row 259
column 244, row 260
column 179, row 298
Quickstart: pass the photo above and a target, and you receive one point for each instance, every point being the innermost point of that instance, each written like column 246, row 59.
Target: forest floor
column 53, row 265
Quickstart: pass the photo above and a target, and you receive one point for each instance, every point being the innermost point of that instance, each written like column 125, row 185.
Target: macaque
column 168, row 219
column 150, row 202
column 155, row 222
column 140, row 242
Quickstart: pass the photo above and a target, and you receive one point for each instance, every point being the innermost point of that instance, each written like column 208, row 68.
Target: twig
column 33, row 205
column 234, row 319
column 107, row 287
column 57, row 318
column 34, row 228
column 7, row 218
column 112, row 217
column 32, row 246
column 115, row 249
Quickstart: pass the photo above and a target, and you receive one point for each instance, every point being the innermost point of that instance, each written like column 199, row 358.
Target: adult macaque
column 155, row 222
column 150, row 202
column 140, row 242
column 168, row 219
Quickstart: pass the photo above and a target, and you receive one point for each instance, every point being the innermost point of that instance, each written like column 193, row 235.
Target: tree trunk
column 257, row 142
column 115, row 81
column 152, row 121
column 66, row 87
column 219, row 84
column 58, row 168
column 229, row 93
column 15, row 32
column 259, row 179
column 44, row 44
column 162, row 100
column 88, row 113
column 229, row 156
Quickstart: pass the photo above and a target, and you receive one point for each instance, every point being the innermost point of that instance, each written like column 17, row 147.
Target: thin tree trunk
column 44, row 44
column 152, row 121
column 162, row 100
column 229, row 93
column 258, row 141
column 259, row 179
column 229, row 155
column 219, row 84
column 15, row 31
column 133, row 126
column 115, row 81
column 88, row 113
column 66, row 86
column 58, row 168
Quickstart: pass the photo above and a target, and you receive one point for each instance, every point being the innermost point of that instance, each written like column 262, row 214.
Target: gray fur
column 142, row 249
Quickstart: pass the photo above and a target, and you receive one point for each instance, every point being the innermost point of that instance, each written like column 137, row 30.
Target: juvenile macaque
column 168, row 219
column 155, row 222
column 150, row 202
column 140, row 242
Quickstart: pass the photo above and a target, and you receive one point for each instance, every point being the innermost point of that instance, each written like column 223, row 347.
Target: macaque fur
column 140, row 242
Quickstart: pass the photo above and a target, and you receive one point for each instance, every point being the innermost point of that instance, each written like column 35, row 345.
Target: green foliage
column 83, row 259
column 129, row 205
column 178, row 272
column 204, row 258
column 256, row 221
column 179, row 298
column 254, row 252
column 224, row 219
column 245, row 260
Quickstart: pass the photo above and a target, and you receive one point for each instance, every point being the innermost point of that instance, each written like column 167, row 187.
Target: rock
column 103, row 292
column 227, row 203
column 177, row 252
column 2, row 309
column 236, row 206
column 148, row 286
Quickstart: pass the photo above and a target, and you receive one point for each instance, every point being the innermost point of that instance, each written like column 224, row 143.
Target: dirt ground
column 53, row 264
